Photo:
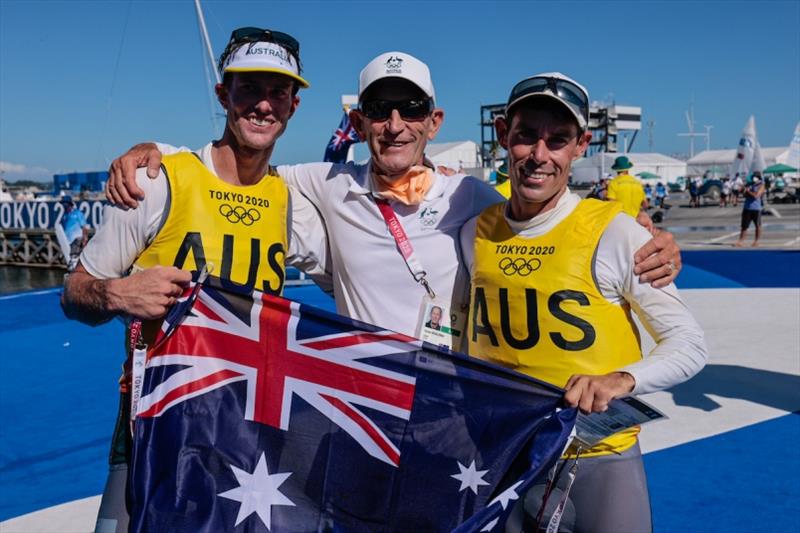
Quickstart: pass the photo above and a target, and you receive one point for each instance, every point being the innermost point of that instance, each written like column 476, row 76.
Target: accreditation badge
column 439, row 324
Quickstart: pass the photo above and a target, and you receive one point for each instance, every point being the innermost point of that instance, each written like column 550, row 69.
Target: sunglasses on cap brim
column 567, row 91
column 253, row 35
column 416, row 109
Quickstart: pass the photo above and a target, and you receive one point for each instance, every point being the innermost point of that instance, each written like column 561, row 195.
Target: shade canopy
column 779, row 168
column 649, row 176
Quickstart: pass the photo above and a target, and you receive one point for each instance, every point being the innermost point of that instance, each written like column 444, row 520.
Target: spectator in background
column 737, row 187
column 725, row 194
column 693, row 193
column 661, row 194
column 72, row 232
column 751, row 210
column 599, row 190
column 648, row 196
column 626, row 189
column 502, row 185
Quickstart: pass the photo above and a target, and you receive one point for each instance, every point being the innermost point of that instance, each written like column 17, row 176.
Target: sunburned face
column 259, row 106
column 542, row 141
column 396, row 143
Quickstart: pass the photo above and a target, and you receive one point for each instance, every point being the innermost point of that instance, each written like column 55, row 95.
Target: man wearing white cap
column 553, row 287
column 392, row 223
column 223, row 209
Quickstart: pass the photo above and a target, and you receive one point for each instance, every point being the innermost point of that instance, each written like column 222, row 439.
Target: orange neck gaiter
column 409, row 189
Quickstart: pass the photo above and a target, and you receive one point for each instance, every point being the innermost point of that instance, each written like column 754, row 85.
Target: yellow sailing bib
column 536, row 307
column 240, row 230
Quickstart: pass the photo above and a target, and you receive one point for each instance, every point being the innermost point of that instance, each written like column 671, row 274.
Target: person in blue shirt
column 76, row 232
column 753, row 205
column 661, row 194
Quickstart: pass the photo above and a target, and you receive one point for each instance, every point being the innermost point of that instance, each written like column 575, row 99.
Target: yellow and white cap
column 263, row 56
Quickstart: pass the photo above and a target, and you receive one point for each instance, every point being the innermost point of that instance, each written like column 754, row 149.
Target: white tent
column 718, row 162
column 592, row 168
column 456, row 155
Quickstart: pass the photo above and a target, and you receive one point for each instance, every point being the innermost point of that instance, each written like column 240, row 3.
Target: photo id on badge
column 439, row 324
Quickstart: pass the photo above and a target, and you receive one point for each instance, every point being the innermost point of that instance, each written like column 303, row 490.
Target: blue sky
column 80, row 81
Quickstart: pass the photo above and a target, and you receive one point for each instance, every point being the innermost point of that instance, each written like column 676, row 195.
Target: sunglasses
column 408, row 109
column 253, row 35
column 567, row 91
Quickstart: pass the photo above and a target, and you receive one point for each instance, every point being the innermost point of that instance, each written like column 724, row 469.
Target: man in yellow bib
column 553, row 288
column 503, row 186
column 223, row 207
column 626, row 189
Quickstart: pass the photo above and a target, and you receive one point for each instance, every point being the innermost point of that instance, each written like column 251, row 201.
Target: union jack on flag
column 344, row 136
column 262, row 414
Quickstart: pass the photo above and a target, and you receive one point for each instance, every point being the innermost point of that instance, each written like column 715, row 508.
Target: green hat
column 622, row 163
column 503, row 170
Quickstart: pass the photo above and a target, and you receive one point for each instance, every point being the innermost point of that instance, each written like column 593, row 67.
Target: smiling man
column 223, row 208
column 392, row 223
column 553, row 287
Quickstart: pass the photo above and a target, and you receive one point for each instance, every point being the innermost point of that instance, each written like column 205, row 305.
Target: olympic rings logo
column 519, row 265
column 238, row 214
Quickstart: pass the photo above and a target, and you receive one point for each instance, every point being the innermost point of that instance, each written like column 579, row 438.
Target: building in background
column 658, row 167
column 718, row 162
column 458, row 155
column 78, row 182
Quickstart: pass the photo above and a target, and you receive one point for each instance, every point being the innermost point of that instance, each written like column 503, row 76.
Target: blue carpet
column 58, row 400
column 739, row 268
column 744, row 480
column 57, row 405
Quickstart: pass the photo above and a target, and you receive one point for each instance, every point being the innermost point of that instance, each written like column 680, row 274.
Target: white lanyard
column 404, row 245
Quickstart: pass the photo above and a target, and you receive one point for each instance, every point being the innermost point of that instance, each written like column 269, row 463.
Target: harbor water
column 19, row 278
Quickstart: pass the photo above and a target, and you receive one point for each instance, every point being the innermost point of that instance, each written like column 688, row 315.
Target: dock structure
column 31, row 248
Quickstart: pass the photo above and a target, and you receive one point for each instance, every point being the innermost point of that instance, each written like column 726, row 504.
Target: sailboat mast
column 204, row 32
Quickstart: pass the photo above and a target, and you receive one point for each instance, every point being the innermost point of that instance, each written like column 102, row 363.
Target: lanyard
column 138, row 357
column 404, row 245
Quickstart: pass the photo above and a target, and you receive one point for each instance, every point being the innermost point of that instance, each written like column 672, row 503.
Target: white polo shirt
column 371, row 281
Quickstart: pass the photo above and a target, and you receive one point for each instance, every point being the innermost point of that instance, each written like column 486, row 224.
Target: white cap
column 396, row 65
column 263, row 56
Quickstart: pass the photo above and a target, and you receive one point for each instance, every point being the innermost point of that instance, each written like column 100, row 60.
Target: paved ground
column 714, row 227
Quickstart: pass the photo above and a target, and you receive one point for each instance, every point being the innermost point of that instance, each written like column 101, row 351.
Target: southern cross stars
column 257, row 492
column 470, row 477
column 504, row 498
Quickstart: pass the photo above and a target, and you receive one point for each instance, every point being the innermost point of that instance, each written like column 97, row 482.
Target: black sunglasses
column 253, row 35
column 571, row 93
column 408, row 109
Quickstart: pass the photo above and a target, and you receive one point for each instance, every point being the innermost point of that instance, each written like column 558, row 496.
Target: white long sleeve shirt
column 680, row 350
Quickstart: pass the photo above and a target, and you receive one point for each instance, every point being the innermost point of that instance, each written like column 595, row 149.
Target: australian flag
column 343, row 137
column 262, row 414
